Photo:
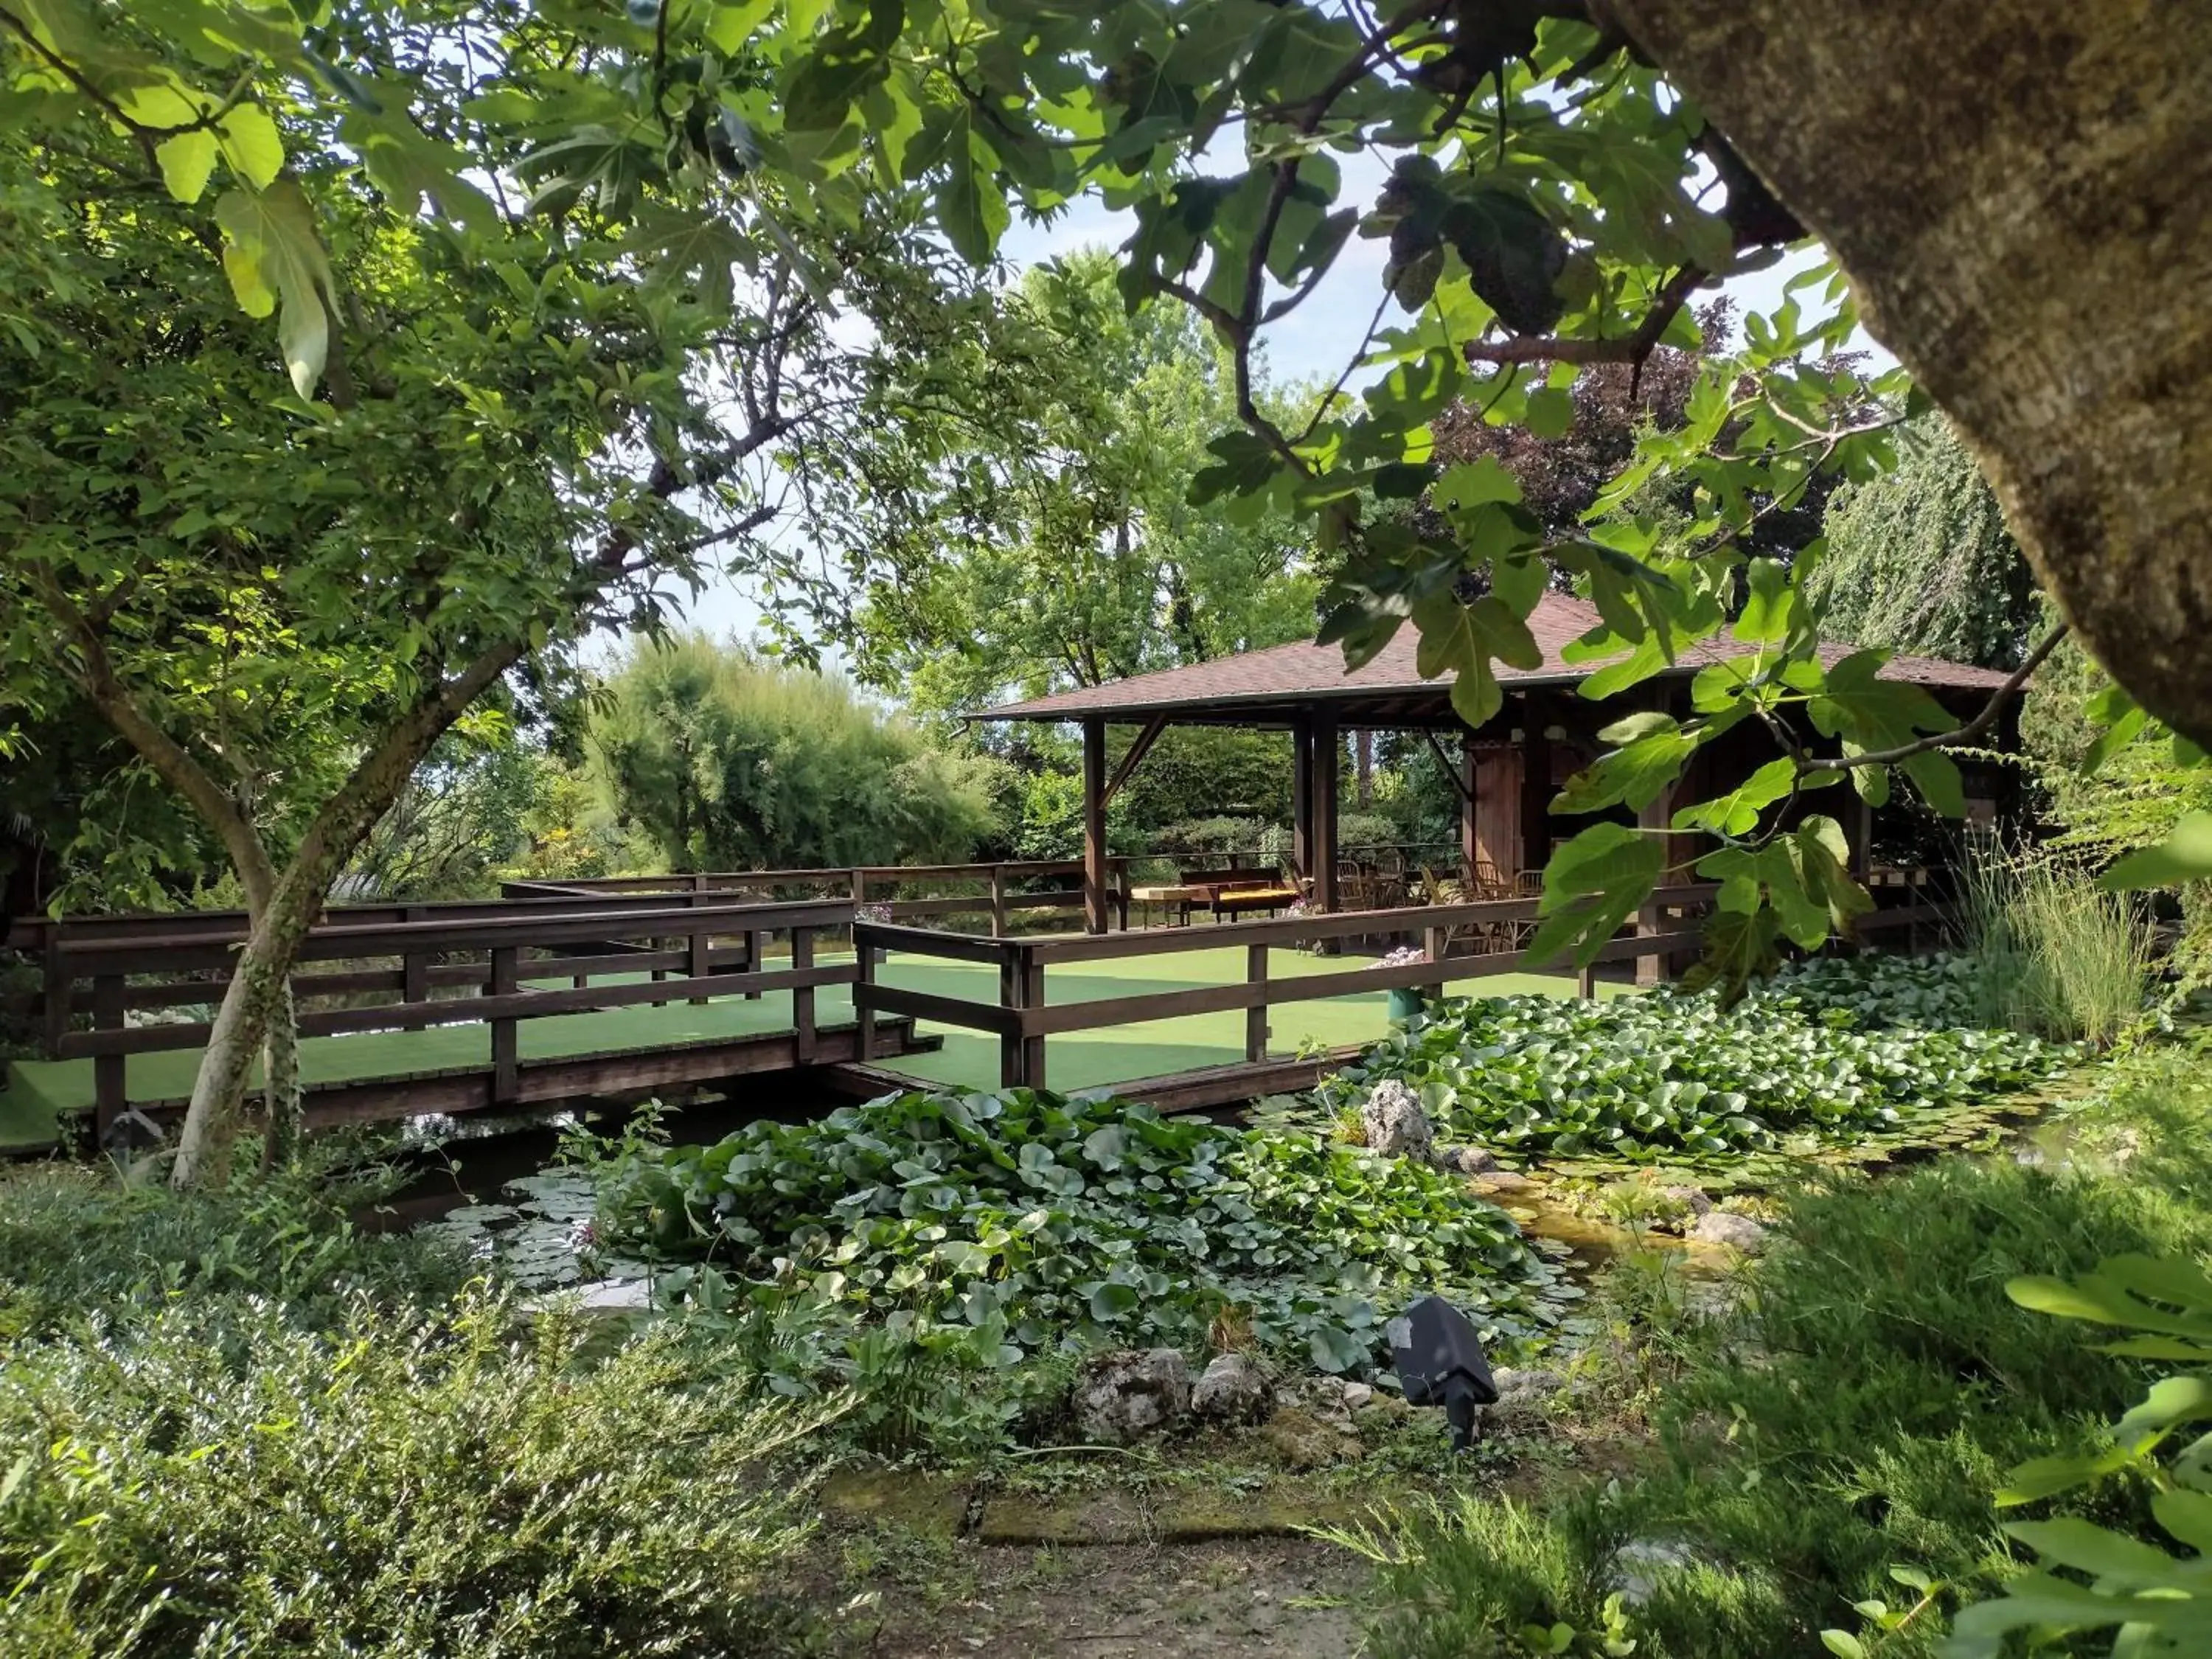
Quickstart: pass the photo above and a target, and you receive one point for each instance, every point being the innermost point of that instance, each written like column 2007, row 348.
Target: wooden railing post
column 1437, row 944
column 1033, row 997
column 414, row 972
column 506, row 1055
column 864, row 1034
column 802, row 997
column 1586, row 983
column 110, row 1093
column 701, row 962
column 753, row 937
column 1256, row 1016
column 998, row 901
column 1012, row 1057
column 57, row 987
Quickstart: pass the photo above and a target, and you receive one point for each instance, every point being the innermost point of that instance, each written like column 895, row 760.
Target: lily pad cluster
column 1067, row 1222
column 1829, row 1051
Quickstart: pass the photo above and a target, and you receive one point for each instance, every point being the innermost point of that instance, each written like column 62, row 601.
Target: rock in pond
column 1232, row 1389
column 1132, row 1392
column 1464, row 1160
column 1394, row 1121
column 1738, row 1233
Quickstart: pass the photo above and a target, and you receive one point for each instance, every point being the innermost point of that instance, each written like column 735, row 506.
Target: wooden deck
column 535, row 1003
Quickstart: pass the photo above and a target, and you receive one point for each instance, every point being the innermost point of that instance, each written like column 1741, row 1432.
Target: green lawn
column 38, row 1090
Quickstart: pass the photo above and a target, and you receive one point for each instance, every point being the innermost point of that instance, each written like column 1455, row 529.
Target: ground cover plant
column 1052, row 1222
column 1830, row 1049
column 1855, row 1411
column 234, row 1423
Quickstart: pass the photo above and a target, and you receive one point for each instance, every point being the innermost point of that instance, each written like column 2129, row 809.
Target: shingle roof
column 1305, row 673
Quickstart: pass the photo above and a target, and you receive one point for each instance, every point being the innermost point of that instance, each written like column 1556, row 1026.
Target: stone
column 1464, row 1160
column 1395, row 1123
column 1358, row 1396
column 598, row 1298
column 1132, row 1392
column 1301, row 1440
column 1232, row 1389
column 1692, row 1199
column 1737, row 1232
column 1502, row 1183
column 1516, row 1385
column 1637, row 1566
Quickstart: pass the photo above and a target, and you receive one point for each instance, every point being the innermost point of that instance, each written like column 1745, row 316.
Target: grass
column 2054, row 955
column 1853, row 1414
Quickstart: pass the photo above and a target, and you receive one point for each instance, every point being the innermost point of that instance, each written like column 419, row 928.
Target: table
column 1173, row 898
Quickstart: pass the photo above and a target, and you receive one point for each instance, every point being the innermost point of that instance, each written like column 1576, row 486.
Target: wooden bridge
column 562, row 996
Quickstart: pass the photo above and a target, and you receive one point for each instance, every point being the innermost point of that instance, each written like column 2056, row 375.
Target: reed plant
column 2054, row 955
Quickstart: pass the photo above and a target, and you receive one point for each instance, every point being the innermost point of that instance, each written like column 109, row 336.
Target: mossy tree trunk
column 2021, row 193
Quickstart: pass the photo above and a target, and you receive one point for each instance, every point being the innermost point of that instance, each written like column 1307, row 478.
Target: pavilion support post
column 1535, row 788
column 1858, row 833
column 1322, row 806
column 1653, row 820
column 1302, row 776
column 1470, row 828
column 1094, row 825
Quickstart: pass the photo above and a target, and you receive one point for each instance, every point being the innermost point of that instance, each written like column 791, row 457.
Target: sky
column 1311, row 343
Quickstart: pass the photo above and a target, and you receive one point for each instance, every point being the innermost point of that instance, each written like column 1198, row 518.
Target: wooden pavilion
column 1508, row 770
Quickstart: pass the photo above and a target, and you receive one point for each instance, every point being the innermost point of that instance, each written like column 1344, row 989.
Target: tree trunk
column 282, row 1113
column 2021, row 193
column 264, row 966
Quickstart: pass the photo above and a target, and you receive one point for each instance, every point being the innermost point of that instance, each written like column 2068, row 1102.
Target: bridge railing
column 1022, row 1018
column 499, row 968
column 996, row 891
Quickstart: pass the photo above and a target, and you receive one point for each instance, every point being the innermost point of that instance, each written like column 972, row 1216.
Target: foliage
column 2049, row 953
column 1024, row 526
column 732, row 763
column 2155, row 1598
column 191, row 1483
column 74, row 1241
column 1830, row 1050
column 1918, row 559
column 1052, row 1222
column 1851, row 1414
column 1204, row 771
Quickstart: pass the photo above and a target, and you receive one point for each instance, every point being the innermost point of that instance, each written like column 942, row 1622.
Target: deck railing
column 497, row 969
column 1022, row 1018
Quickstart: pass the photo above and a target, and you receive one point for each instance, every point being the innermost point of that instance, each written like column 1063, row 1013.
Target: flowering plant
column 1404, row 957
column 872, row 913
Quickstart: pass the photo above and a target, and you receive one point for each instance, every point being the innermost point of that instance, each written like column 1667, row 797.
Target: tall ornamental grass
column 2054, row 955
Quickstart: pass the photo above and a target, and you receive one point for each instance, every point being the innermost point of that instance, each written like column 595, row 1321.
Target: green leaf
column 1736, row 811
column 2185, row 855
column 970, row 206
column 1593, row 884
column 186, row 162
column 1842, row 1643
column 251, row 146
column 1462, row 639
column 273, row 255
column 1551, row 412
column 1113, row 1299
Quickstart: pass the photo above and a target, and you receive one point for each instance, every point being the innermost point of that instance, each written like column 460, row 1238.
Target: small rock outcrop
column 1395, row 1123
column 1232, row 1389
column 1692, row 1199
column 1638, row 1565
column 1132, row 1392
column 1738, row 1233
column 1301, row 1440
column 1464, row 1160
column 1502, row 1183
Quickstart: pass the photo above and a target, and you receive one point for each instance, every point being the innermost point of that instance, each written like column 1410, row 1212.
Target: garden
column 482, row 473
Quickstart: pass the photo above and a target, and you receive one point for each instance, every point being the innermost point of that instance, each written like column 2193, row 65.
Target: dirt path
column 1289, row 1596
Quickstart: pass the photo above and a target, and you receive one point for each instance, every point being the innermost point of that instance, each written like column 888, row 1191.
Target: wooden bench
column 1233, row 893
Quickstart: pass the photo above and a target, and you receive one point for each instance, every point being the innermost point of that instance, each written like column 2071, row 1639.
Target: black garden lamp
column 1440, row 1362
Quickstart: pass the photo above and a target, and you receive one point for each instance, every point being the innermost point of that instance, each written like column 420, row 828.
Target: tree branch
column 1631, row 349
column 1964, row 734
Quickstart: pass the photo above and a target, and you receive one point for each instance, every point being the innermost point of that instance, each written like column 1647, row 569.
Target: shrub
column 730, row 764
column 77, row 1241
column 1856, row 1411
column 1056, row 1222
column 2052, row 953
column 1831, row 1049
column 239, row 1486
